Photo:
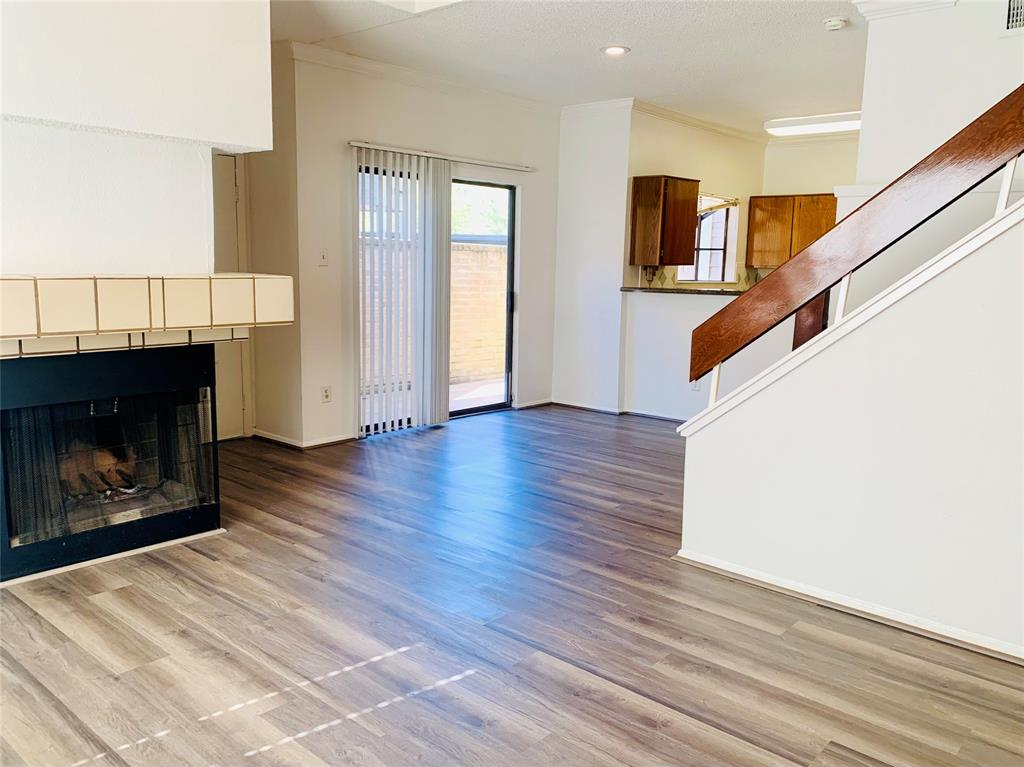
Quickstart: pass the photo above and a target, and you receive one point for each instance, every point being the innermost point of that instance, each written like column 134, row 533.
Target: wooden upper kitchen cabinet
column 780, row 226
column 769, row 231
column 813, row 215
column 663, row 228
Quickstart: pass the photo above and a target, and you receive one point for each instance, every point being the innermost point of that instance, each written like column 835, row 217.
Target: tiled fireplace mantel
column 63, row 314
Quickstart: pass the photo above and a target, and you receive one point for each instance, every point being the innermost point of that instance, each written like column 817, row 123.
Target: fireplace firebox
column 103, row 453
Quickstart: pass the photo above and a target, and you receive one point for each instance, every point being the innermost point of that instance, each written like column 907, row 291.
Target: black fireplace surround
column 105, row 452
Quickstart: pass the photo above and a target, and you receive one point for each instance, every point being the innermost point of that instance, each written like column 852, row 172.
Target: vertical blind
column 403, row 240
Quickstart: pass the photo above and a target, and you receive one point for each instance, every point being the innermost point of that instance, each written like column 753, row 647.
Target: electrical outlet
column 323, row 257
column 695, row 385
column 325, row 394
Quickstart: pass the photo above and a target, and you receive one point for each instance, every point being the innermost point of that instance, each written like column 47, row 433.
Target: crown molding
column 884, row 9
column 346, row 62
column 678, row 118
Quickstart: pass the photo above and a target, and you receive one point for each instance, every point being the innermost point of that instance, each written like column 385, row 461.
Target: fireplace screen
column 84, row 465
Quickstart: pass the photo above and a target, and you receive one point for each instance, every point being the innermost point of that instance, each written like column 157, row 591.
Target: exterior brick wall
column 478, row 295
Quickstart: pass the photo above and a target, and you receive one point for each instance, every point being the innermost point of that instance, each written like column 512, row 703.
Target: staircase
column 879, row 467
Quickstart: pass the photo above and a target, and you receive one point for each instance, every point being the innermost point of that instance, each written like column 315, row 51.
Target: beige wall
column 726, row 163
column 813, row 165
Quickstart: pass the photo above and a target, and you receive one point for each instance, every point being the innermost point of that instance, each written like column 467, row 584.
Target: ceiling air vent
column 1015, row 14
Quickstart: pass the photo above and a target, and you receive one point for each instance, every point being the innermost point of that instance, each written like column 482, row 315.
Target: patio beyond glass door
column 481, row 298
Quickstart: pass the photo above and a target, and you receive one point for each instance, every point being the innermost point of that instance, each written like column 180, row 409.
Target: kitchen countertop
column 689, row 291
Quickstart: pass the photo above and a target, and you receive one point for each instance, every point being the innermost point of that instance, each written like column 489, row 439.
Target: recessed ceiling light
column 838, row 122
column 615, row 50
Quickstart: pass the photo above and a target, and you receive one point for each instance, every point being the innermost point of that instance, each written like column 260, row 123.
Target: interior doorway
column 480, row 362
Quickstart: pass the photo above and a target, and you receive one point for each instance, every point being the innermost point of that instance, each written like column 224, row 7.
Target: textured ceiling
column 737, row 63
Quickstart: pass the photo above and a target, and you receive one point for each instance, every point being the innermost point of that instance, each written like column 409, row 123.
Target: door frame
column 510, row 296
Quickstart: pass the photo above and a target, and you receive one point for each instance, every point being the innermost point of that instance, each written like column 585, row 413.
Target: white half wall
column 656, row 354
column 882, row 470
column 593, row 169
column 198, row 71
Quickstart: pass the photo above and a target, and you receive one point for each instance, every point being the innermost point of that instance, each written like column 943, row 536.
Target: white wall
column 86, row 201
column 884, row 472
column 198, row 71
column 593, row 168
column 339, row 98
column 812, row 165
column 928, row 74
column 111, row 111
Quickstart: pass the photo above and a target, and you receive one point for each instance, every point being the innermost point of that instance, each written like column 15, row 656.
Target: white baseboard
column 658, row 416
column 276, row 438
column 110, row 557
column 906, row 621
column 300, row 444
column 534, row 403
column 579, row 406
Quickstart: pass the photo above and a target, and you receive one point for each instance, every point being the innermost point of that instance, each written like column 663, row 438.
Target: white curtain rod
column 466, row 160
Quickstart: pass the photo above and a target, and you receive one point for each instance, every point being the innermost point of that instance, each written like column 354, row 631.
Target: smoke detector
column 835, row 23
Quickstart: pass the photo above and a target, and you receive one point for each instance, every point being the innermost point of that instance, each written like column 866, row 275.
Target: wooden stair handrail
column 940, row 179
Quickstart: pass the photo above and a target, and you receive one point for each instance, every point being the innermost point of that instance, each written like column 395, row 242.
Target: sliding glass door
column 480, row 363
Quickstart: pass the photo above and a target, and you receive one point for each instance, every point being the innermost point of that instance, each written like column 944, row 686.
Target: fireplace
column 105, row 452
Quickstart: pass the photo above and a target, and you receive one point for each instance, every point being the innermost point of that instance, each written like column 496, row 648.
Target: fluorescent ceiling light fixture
column 805, row 126
column 615, row 50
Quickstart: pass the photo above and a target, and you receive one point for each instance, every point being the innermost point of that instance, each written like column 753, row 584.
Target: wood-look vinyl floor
column 495, row 592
